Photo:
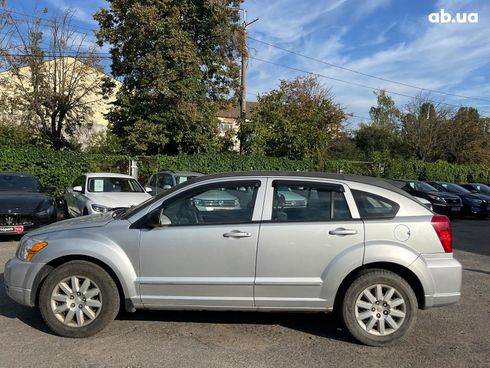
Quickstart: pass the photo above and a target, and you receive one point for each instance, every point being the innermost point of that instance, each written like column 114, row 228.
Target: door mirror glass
column 166, row 187
column 148, row 190
column 78, row 188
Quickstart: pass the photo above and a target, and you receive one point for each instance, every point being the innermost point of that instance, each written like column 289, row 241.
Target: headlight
column 197, row 202
column 476, row 201
column 436, row 198
column 45, row 205
column 28, row 247
column 99, row 208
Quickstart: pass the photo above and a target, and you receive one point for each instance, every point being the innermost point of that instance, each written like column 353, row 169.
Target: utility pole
column 243, row 79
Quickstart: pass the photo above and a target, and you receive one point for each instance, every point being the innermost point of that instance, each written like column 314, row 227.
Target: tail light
column 442, row 226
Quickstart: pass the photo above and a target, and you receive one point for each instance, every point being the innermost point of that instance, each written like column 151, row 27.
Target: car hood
column 215, row 195
column 118, row 199
column 20, row 202
column 477, row 196
column 444, row 195
column 96, row 220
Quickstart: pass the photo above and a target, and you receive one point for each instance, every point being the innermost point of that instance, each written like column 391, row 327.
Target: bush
column 60, row 168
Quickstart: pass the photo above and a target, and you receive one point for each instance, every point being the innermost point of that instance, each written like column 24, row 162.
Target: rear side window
column 297, row 201
column 373, row 206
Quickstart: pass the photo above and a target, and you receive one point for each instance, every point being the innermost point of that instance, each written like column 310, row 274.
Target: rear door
column 310, row 227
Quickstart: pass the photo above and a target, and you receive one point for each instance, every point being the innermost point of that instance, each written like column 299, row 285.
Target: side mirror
column 148, row 190
column 77, row 188
column 166, row 187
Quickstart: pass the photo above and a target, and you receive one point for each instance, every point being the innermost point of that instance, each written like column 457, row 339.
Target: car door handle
column 237, row 234
column 340, row 231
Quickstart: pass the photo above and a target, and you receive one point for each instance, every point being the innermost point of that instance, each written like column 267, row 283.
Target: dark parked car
column 477, row 188
column 164, row 180
column 23, row 204
column 442, row 202
column 473, row 203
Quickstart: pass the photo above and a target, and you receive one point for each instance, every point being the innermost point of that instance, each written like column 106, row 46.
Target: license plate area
column 12, row 229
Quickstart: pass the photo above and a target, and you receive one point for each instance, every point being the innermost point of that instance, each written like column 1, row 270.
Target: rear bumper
column 441, row 277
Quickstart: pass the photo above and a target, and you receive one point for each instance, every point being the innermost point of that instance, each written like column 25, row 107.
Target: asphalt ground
column 452, row 336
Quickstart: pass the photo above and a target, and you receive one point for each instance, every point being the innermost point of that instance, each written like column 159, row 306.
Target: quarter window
column 373, row 206
column 221, row 203
column 295, row 201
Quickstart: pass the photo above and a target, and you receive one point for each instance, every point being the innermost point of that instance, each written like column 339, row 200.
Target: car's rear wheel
column 379, row 307
column 78, row 299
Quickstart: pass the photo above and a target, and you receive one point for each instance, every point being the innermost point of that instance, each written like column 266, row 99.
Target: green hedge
column 60, row 168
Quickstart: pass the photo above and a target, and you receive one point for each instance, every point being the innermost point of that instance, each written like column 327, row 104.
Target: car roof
column 378, row 182
column 105, row 175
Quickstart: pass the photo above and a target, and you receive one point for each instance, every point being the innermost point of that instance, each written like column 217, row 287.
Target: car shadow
column 13, row 310
column 323, row 325
column 317, row 324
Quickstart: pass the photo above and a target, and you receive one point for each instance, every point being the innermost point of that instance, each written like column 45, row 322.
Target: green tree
column 423, row 127
column 177, row 61
column 382, row 133
column 298, row 120
column 466, row 139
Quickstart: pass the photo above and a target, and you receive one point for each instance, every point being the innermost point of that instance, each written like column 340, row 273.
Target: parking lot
column 454, row 336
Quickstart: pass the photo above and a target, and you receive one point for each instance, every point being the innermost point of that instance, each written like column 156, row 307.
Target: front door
column 203, row 252
column 308, row 230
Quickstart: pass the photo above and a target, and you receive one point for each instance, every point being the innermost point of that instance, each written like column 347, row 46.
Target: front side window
column 108, row 184
column 373, row 206
column 296, row 201
column 213, row 204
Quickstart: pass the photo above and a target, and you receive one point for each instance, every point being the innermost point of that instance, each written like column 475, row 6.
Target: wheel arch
column 126, row 301
column 409, row 276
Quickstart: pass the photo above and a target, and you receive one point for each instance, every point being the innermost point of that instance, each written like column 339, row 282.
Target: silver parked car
column 360, row 246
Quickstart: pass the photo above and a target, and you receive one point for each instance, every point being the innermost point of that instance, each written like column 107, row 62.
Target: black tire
column 365, row 280
column 108, row 291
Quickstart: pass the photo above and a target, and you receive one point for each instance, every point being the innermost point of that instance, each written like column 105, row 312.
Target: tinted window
column 221, row 203
column 108, row 184
column 374, row 206
column 164, row 179
column 295, row 201
column 19, row 183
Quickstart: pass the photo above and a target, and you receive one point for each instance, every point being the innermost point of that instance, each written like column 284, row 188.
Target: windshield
column 108, row 184
column 454, row 188
column 482, row 188
column 420, row 186
column 179, row 179
column 19, row 183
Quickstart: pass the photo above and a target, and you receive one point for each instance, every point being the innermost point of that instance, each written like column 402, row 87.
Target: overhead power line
column 352, row 83
column 367, row 74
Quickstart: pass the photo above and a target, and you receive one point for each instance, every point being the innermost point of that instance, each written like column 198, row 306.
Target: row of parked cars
column 26, row 205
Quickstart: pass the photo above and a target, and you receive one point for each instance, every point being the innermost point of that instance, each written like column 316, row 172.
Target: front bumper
column 446, row 209
column 19, row 278
column 441, row 278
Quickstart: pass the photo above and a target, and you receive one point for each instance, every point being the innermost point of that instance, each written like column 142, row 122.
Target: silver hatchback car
column 360, row 246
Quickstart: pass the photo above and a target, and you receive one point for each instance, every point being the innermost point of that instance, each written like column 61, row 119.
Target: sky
column 389, row 39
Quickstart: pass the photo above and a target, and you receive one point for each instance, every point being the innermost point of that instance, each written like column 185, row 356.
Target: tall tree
column 53, row 77
column 423, row 126
column 177, row 59
column 382, row 133
column 466, row 138
column 298, row 120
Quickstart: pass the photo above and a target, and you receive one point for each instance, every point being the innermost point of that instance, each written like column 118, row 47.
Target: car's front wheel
column 379, row 307
column 78, row 299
